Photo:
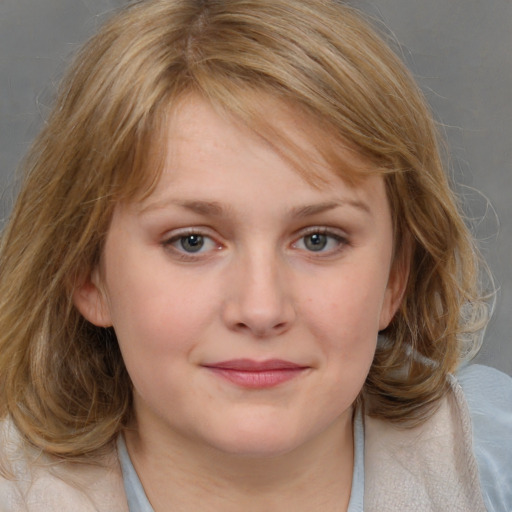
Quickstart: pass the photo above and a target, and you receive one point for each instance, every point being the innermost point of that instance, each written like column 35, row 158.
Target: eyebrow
column 201, row 207
column 314, row 209
column 212, row 208
column 215, row 209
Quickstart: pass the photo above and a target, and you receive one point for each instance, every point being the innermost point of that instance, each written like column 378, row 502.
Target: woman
column 236, row 278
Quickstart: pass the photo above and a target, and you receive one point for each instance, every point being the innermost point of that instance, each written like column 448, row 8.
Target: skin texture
column 284, row 270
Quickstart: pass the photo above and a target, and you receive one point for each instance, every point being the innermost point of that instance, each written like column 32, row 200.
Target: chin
column 256, row 447
column 255, row 441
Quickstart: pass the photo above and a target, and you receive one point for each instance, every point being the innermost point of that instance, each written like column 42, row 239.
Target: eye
column 191, row 243
column 321, row 241
column 316, row 242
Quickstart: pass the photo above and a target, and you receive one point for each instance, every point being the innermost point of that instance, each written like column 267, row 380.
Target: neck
column 177, row 475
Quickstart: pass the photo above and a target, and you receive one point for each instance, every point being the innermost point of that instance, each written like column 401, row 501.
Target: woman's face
column 246, row 301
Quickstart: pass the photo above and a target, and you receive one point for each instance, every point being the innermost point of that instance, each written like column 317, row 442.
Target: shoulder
column 426, row 467
column 32, row 481
column 488, row 393
column 12, row 469
column 485, row 384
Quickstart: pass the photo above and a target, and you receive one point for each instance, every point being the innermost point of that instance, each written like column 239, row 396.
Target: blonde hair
column 63, row 380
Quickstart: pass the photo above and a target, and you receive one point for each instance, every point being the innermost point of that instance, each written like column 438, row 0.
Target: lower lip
column 258, row 379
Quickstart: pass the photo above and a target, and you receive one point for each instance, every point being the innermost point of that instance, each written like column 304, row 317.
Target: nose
column 259, row 297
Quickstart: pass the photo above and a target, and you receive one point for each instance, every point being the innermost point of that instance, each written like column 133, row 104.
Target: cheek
column 344, row 318
column 156, row 315
column 158, row 329
column 348, row 306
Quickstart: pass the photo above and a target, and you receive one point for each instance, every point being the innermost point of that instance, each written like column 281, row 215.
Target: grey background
column 459, row 50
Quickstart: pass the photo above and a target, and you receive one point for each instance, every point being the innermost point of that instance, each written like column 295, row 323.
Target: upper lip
column 249, row 365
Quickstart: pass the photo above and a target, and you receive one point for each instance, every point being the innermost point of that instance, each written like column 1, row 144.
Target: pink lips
column 257, row 374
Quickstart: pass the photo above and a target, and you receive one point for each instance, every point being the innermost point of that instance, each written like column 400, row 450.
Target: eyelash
column 330, row 235
column 339, row 238
column 182, row 254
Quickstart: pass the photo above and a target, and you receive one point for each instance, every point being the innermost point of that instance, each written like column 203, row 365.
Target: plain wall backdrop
column 460, row 51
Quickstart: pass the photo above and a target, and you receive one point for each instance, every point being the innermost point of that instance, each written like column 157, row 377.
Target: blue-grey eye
column 192, row 243
column 321, row 241
column 316, row 241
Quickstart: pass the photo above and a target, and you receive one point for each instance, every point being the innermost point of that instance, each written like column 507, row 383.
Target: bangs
column 312, row 145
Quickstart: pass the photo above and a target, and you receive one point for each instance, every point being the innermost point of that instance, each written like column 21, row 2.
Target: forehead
column 309, row 145
column 312, row 146
column 209, row 151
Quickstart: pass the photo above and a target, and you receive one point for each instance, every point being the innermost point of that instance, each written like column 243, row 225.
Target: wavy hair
column 63, row 381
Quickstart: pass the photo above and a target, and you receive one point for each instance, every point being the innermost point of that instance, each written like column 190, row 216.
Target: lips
column 252, row 374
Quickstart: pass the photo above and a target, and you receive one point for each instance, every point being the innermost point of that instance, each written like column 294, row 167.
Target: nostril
column 260, row 308
column 261, row 330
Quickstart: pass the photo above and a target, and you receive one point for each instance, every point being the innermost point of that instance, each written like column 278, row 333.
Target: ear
column 395, row 290
column 89, row 298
